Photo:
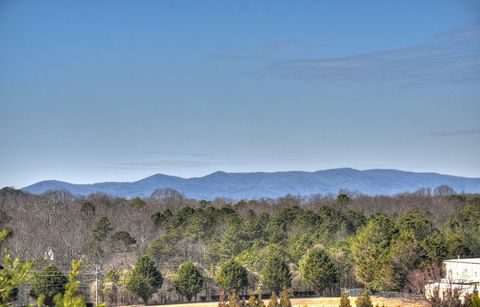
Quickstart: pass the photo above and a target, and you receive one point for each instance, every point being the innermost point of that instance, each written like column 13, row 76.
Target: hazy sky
column 119, row 90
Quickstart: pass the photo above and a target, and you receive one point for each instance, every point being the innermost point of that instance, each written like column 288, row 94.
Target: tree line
column 168, row 248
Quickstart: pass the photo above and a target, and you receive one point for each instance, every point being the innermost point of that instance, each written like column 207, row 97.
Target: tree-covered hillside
column 168, row 248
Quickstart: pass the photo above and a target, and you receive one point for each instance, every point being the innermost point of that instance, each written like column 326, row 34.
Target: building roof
column 465, row 260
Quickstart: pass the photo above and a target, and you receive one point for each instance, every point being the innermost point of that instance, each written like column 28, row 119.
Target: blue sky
column 118, row 90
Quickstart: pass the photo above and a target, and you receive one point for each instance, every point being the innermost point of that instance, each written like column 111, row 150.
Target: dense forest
column 167, row 248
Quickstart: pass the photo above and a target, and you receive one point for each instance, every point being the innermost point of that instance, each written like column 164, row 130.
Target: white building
column 460, row 274
column 463, row 271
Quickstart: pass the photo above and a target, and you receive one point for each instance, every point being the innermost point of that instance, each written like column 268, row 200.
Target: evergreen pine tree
column 102, row 229
column 188, row 281
column 232, row 276
column 285, row 298
column 99, row 238
column 13, row 272
column 363, row 300
column 475, row 300
column 137, row 202
column 276, row 274
column 233, row 300
column 145, row 279
column 273, row 300
column 251, row 301
column 344, row 300
column 71, row 298
column 318, row 269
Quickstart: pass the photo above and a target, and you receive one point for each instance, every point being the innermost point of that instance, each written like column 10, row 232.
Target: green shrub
column 285, row 298
column 188, row 281
column 144, row 279
column 232, row 276
column 344, row 300
column 363, row 300
column 276, row 274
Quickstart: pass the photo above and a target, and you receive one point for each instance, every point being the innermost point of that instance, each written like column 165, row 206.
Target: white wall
column 457, row 271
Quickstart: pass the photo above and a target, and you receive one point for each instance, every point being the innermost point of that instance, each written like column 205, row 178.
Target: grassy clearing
column 323, row 302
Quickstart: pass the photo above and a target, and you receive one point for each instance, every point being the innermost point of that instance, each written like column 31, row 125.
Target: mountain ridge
column 240, row 185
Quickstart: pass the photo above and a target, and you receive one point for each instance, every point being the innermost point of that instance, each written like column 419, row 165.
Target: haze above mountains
column 271, row 185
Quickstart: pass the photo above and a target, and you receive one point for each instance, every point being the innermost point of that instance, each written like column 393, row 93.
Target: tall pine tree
column 273, row 300
column 285, row 298
column 276, row 274
column 318, row 269
column 144, row 279
column 188, row 281
column 344, row 300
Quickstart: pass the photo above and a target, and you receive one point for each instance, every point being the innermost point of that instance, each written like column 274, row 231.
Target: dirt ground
column 323, row 302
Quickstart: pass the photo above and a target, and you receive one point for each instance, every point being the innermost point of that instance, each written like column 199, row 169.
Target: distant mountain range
column 272, row 185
